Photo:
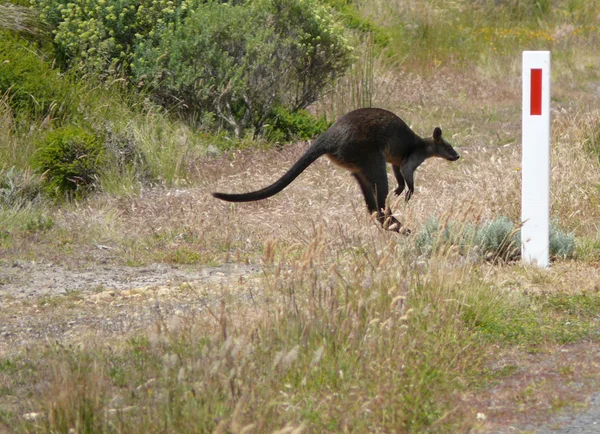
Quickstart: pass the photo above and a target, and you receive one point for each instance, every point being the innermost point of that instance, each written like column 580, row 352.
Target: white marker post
column 535, row 198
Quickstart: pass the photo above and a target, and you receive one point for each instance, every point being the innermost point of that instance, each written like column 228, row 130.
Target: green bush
column 224, row 59
column 35, row 90
column 237, row 60
column 283, row 126
column 70, row 160
column 100, row 35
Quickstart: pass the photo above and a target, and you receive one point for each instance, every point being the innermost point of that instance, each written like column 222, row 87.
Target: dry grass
column 19, row 19
column 346, row 327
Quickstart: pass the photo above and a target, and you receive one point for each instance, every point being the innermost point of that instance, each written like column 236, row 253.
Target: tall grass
column 357, row 88
column 20, row 19
column 591, row 135
column 379, row 346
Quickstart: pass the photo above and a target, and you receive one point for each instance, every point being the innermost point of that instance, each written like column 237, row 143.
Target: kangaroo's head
column 442, row 148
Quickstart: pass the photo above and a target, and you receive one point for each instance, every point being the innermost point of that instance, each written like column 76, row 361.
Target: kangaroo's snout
column 456, row 157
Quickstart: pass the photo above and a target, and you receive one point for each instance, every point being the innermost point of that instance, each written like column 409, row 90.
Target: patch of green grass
column 353, row 19
column 183, row 255
column 506, row 371
column 585, row 306
column 588, row 248
column 8, row 366
column 8, row 418
column 23, row 218
column 532, row 321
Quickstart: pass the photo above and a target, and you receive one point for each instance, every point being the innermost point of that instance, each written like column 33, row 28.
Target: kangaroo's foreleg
column 399, row 178
column 408, row 174
column 408, row 170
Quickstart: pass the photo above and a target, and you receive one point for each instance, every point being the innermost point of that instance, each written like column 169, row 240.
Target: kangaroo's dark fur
column 362, row 141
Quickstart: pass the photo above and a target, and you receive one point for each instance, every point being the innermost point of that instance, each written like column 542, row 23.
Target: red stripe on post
column 535, row 108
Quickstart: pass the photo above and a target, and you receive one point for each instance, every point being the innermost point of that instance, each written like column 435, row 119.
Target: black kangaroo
column 362, row 141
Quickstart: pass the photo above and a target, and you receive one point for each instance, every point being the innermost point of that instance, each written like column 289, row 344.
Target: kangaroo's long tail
column 314, row 152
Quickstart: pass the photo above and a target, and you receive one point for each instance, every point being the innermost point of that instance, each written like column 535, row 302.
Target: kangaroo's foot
column 391, row 223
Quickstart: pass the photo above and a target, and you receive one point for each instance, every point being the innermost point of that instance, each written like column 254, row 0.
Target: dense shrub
column 241, row 61
column 70, row 159
column 100, row 35
column 283, row 126
column 235, row 59
column 35, row 90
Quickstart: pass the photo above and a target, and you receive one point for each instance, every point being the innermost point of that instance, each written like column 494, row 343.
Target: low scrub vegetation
column 209, row 57
column 30, row 88
column 70, row 160
column 499, row 239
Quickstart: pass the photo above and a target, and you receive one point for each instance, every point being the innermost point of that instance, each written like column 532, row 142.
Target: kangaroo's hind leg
column 373, row 182
column 368, row 192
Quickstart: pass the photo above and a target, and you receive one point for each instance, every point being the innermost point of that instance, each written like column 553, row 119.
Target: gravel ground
column 41, row 302
column 30, row 279
column 571, row 422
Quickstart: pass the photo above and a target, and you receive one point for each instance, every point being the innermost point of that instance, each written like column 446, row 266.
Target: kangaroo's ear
column 437, row 134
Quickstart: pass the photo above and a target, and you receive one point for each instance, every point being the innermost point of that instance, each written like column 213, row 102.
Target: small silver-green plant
column 562, row 244
column 18, row 187
column 498, row 239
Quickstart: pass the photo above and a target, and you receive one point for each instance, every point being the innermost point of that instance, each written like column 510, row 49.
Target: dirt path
column 42, row 303
column 29, row 279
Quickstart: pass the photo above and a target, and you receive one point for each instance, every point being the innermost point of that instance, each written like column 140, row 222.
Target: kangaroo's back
column 365, row 131
column 372, row 124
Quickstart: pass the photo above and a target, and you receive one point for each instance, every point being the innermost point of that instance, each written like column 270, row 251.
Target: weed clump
column 17, row 188
column 591, row 140
column 70, row 160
